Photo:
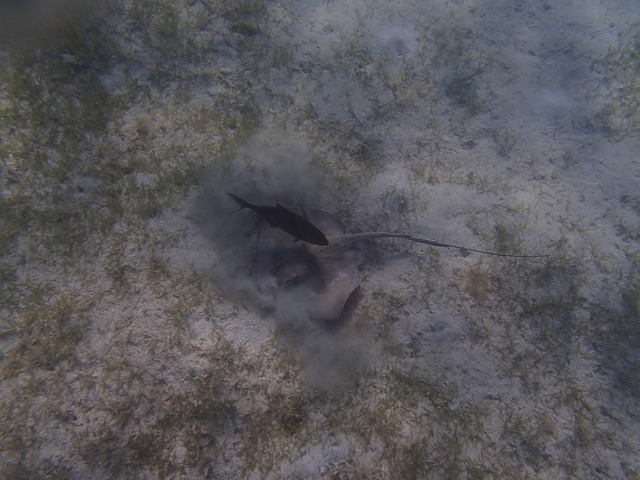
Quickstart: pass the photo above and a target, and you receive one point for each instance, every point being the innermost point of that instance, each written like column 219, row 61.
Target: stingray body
column 315, row 282
column 300, row 228
column 308, row 281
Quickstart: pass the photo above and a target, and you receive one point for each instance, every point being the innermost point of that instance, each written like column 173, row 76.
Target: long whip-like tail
column 347, row 240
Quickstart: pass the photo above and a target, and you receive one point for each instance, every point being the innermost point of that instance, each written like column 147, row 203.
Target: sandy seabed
column 134, row 342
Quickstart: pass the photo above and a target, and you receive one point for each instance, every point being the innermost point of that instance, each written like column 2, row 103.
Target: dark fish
column 279, row 217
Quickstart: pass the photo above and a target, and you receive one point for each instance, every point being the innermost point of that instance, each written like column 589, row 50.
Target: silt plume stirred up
column 279, row 217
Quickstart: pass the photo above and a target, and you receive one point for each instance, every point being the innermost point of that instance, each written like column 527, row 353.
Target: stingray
column 316, row 282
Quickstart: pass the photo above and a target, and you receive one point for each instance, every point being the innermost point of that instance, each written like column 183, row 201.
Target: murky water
column 136, row 338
